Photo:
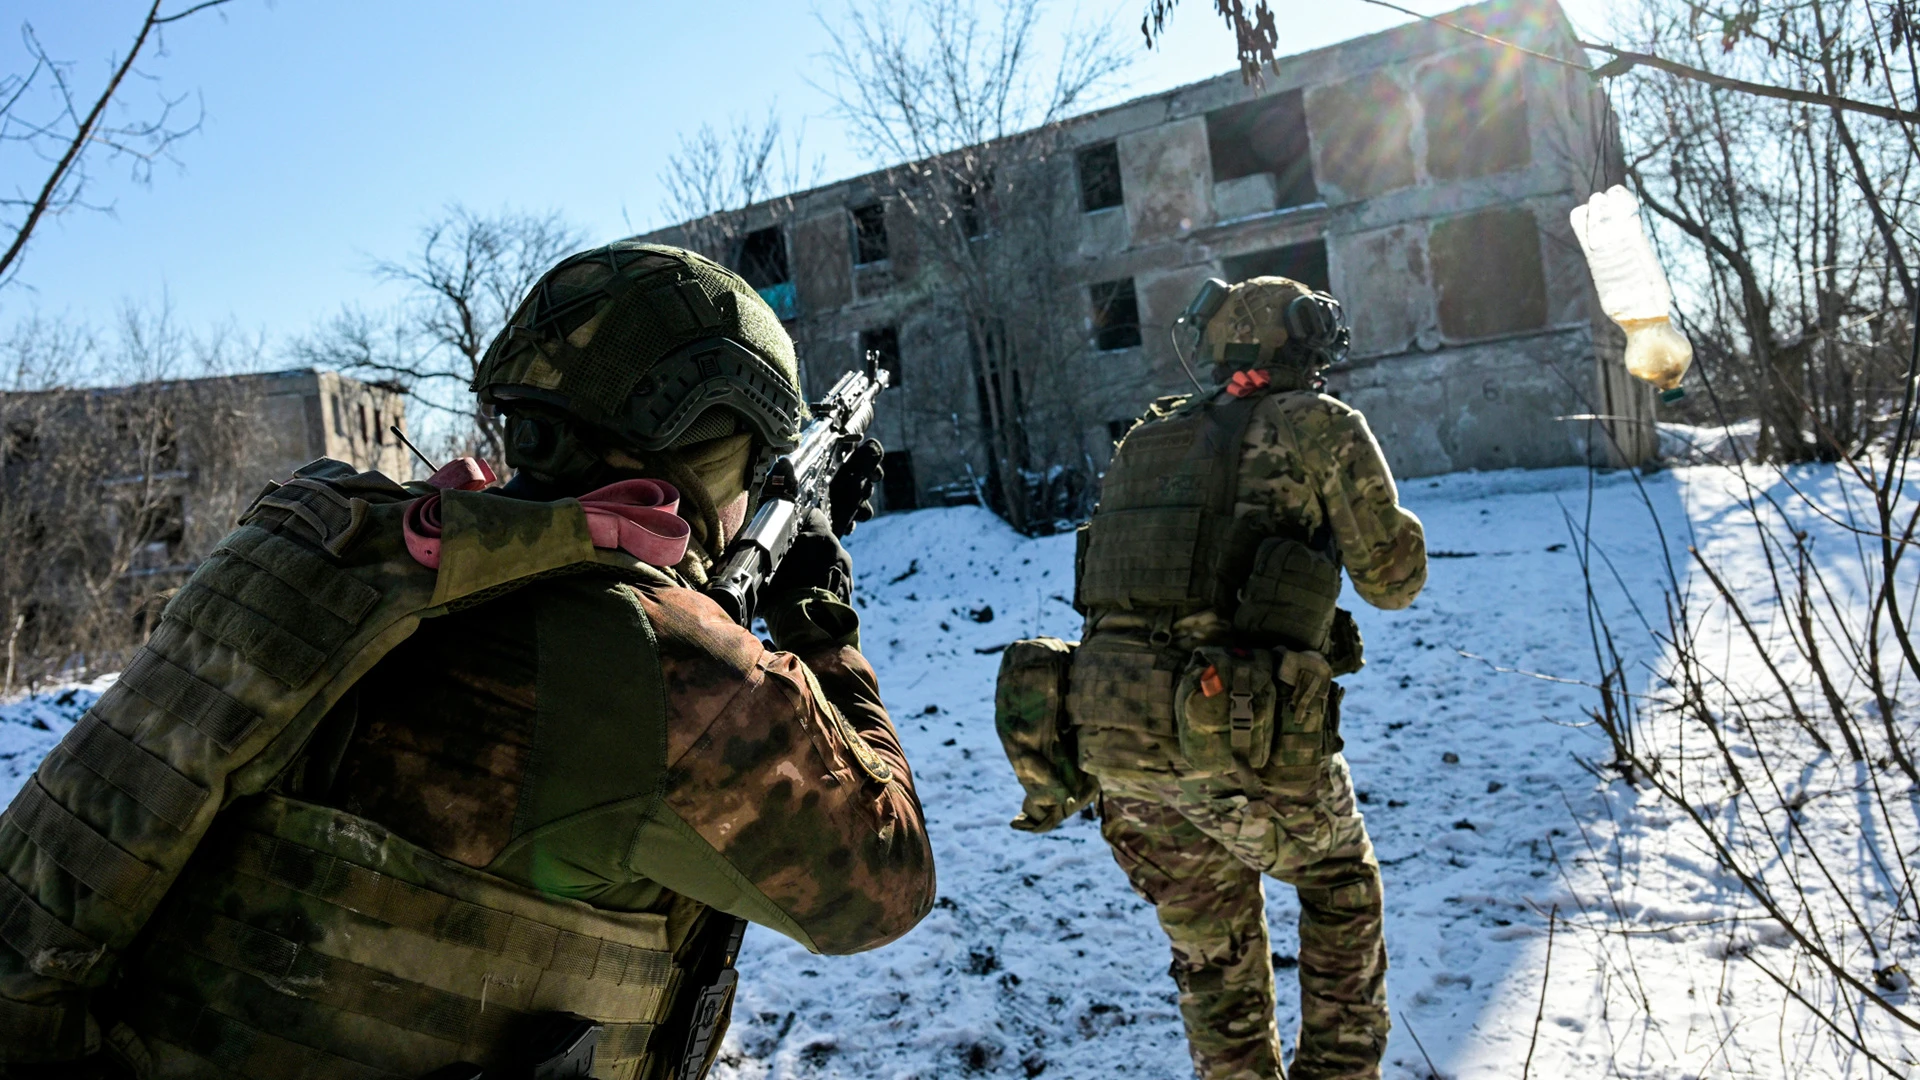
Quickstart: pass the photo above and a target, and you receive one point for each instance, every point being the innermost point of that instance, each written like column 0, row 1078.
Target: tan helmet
column 1267, row 322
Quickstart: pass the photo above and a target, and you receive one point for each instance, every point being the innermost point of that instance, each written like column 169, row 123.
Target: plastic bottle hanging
column 1633, row 288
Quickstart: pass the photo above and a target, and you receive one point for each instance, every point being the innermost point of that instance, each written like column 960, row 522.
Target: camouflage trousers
column 1196, row 849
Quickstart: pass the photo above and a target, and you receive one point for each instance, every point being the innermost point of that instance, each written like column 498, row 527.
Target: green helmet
column 1267, row 322
column 648, row 347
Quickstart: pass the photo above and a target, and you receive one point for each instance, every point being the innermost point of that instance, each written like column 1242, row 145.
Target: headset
column 1314, row 320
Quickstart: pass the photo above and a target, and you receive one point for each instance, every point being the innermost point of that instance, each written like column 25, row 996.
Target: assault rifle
column 798, row 482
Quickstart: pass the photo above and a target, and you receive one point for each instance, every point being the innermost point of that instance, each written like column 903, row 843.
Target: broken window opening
column 971, row 205
column 1100, row 186
column 883, row 344
column 898, row 487
column 1265, row 136
column 1305, row 263
column 763, row 258
column 869, row 234
column 1116, row 315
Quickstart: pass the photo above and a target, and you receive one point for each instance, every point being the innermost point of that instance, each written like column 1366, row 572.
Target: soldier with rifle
column 428, row 779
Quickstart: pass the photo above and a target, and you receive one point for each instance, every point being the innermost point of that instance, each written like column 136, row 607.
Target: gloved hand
column 852, row 486
column 816, row 560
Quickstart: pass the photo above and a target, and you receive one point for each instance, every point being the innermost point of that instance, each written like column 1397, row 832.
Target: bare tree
column 461, row 285
column 109, row 495
column 964, row 112
column 45, row 116
column 1789, row 221
column 712, row 176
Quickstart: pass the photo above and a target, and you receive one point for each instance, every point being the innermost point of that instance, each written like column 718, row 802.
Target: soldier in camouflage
column 479, row 759
column 1201, row 697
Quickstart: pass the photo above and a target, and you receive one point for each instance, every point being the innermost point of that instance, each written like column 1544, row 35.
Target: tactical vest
column 1164, row 535
column 1165, row 543
column 299, row 941
column 1165, row 539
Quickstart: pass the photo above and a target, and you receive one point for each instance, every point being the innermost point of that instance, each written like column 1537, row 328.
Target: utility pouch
column 1345, row 651
column 1030, row 716
column 1309, row 712
column 1289, row 596
column 1225, row 706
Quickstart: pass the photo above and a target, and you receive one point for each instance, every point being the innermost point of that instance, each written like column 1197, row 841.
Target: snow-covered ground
column 1039, row 961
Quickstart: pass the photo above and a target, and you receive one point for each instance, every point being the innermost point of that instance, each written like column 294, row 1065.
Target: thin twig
column 1546, row 972
column 1431, row 1071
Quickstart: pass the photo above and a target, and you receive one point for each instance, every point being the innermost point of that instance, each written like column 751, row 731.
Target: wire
column 1173, row 335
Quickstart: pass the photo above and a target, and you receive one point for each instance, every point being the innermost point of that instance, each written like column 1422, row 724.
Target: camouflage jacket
column 787, row 799
column 1308, row 460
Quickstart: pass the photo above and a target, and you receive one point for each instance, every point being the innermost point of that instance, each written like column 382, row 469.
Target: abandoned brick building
column 1421, row 175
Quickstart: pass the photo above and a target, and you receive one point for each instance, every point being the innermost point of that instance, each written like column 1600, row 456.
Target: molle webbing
column 1164, row 534
column 281, row 607
column 139, row 775
column 329, row 931
column 1123, row 683
column 92, row 859
column 286, row 614
column 178, row 692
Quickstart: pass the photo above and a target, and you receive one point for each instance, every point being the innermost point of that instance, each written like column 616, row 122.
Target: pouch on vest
column 1225, row 706
column 1309, row 703
column 1031, row 718
column 1289, row 598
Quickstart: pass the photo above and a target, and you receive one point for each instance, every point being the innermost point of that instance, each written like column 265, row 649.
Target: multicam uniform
column 1307, row 478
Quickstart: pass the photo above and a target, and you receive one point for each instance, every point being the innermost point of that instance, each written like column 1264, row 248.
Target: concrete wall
column 1445, row 168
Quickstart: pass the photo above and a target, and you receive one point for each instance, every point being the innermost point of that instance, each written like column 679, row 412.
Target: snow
column 1464, row 732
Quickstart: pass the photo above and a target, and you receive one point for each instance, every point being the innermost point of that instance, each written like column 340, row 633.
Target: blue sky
column 334, row 129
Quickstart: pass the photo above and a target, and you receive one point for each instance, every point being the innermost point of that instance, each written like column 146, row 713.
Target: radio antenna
column 1173, row 335
column 408, row 443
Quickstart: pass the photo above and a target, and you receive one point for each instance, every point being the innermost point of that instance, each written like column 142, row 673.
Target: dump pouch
column 1225, row 706
column 1031, row 719
column 1290, row 595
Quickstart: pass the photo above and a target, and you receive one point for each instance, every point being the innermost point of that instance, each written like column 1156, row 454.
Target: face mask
column 721, row 465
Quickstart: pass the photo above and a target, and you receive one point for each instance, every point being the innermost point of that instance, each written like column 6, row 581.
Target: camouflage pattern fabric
column 1196, row 845
column 787, row 799
column 1308, row 460
column 1195, row 848
column 1253, row 316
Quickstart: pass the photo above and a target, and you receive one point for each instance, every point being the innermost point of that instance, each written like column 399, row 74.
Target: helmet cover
column 1270, row 321
column 642, row 342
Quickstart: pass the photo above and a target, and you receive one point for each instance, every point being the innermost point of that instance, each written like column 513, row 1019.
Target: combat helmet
column 640, row 347
column 1275, row 323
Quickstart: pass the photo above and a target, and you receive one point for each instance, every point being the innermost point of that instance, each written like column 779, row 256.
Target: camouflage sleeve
column 1382, row 545
column 791, row 773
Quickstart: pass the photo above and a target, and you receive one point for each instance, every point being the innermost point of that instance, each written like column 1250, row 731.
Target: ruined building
column 110, row 496
column 1421, row 175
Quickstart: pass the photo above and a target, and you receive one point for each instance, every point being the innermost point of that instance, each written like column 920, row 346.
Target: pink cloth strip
column 641, row 518
column 464, row 474
column 638, row 517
